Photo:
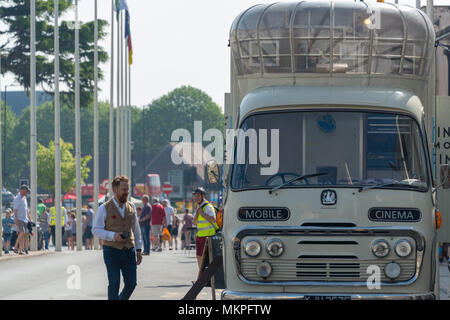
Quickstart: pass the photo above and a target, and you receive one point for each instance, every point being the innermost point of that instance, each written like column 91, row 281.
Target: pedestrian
column 117, row 224
column 87, row 228
column 144, row 223
column 73, row 230
column 158, row 222
column 175, row 227
column 205, row 218
column 187, row 229
column 68, row 232
column 169, row 217
column 40, row 208
column 14, row 235
column 53, row 222
column 7, row 223
column 44, row 223
column 22, row 216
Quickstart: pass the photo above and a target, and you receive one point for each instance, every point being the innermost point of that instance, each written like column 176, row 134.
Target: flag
column 130, row 51
column 120, row 5
column 128, row 36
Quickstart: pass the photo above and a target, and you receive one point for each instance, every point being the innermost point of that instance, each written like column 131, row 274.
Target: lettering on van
column 264, row 214
column 395, row 214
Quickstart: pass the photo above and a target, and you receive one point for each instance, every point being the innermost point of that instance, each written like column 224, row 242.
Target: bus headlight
column 380, row 248
column 392, row 270
column 403, row 248
column 264, row 269
column 252, row 248
column 275, row 247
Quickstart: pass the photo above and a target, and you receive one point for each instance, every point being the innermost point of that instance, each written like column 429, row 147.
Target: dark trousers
column 53, row 231
column 13, row 239
column 146, row 238
column 116, row 261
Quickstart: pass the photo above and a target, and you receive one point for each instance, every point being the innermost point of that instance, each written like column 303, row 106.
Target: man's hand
column 117, row 237
column 138, row 258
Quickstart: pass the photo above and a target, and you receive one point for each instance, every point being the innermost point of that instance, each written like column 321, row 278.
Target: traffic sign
column 167, row 188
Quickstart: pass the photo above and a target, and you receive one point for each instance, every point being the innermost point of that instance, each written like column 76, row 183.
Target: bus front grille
column 325, row 269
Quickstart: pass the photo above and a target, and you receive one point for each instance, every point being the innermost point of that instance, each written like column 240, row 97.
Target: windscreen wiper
column 305, row 176
column 372, row 186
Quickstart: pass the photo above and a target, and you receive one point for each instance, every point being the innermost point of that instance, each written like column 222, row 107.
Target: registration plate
column 327, row 298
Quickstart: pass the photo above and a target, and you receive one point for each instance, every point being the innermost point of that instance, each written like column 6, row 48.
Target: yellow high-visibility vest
column 53, row 216
column 204, row 227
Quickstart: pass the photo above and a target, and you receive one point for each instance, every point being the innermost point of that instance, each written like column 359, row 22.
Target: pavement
column 81, row 275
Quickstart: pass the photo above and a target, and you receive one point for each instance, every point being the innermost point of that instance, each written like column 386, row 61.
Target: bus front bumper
column 235, row 295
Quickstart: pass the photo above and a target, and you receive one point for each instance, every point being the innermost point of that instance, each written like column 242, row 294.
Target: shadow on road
column 172, row 286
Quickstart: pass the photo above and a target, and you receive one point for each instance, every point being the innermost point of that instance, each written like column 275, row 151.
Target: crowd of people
column 160, row 226
column 18, row 226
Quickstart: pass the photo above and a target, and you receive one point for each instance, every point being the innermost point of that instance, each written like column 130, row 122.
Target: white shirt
column 209, row 211
column 21, row 205
column 98, row 229
column 169, row 213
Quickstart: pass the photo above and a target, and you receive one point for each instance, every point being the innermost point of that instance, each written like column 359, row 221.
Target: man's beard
column 123, row 198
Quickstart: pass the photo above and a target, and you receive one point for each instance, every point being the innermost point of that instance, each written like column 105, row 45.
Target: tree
column 46, row 167
column 15, row 14
column 178, row 109
column 18, row 135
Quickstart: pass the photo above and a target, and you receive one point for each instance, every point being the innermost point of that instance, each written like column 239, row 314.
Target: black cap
column 199, row 190
column 24, row 186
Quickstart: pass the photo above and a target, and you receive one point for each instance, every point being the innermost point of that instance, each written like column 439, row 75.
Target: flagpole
column 1, row 171
column 96, row 173
column 127, row 142
column 33, row 162
column 79, row 237
column 123, row 115
column 129, row 130
column 57, row 195
column 111, row 109
column 118, row 116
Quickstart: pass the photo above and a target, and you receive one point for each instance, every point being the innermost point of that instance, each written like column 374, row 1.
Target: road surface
column 161, row 276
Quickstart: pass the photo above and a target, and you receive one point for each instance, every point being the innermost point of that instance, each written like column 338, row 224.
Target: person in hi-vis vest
column 52, row 222
column 205, row 218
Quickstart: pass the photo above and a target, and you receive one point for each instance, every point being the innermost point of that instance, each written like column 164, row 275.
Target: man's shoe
column 146, row 253
column 159, row 250
column 6, row 252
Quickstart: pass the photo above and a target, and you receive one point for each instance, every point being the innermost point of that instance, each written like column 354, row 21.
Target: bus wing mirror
column 212, row 169
column 445, row 176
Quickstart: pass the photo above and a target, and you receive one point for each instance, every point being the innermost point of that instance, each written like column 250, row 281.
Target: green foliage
column 151, row 129
column 46, row 167
column 178, row 109
column 15, row 14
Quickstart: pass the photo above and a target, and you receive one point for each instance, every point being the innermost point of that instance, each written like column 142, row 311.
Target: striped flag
column 128, row 36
